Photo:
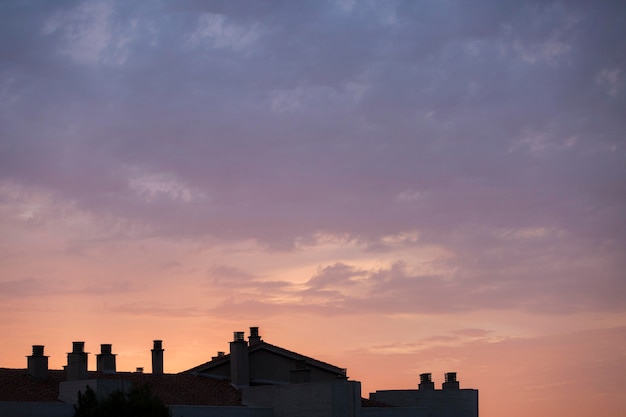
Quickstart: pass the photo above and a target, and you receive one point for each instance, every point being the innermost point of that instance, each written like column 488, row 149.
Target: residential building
column 255, row 379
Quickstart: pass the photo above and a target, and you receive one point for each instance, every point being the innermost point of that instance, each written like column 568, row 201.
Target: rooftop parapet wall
column 438, row 403
column 68, row 390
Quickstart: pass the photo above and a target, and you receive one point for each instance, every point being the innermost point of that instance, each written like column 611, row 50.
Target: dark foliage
column 138, row 402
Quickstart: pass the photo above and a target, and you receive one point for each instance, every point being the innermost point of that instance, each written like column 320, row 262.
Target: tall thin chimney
column 254, row 337
column 105, row 360
column 239, row 364
column 38, row 363
column 77, row 362
column 157, row 358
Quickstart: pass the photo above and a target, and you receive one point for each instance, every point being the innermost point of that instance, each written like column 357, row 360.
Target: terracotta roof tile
column 188, row 389
column 180, row 389
column 16, row 385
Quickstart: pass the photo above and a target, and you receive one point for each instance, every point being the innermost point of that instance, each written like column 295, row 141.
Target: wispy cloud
column 41, row 287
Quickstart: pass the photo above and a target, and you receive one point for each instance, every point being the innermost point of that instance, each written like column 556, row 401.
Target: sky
column 394, row 187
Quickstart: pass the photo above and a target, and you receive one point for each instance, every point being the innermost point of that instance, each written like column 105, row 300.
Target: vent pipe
column 157, row 358
column 38, row 363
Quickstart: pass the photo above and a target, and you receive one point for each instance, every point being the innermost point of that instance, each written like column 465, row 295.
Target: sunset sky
column 394, row 187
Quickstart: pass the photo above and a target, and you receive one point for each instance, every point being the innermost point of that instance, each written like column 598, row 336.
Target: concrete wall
column 205, row 411
column 35, row 409
column 322, row 399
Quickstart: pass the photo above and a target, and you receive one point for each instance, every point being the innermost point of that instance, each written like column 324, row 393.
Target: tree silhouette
column 138, row 402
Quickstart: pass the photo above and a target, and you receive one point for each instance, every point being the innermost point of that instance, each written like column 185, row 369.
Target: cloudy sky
column 395, row 187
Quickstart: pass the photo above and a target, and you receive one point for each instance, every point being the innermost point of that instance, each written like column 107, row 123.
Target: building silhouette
column 254, row 379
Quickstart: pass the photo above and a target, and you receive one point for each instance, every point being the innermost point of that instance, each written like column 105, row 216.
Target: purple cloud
column 471, row 125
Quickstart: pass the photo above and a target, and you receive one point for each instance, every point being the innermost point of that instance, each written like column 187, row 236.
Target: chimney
column 451, row 382
column 157, row 358
column 77, row 362
column 239, row 365
column 254, row 337
column 105, row 360
column 38, row 363
column 220, row 355
column 426, row 382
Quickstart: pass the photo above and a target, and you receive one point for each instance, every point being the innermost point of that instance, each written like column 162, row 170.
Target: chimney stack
column 254, row 337
column 451, row 382
column 239, row 365
column 38, row 363
column 77, row 362
column 426, row 382
column 157, row 358
column 105, row 360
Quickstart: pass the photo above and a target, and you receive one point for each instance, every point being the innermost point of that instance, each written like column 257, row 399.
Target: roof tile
column 179, row 389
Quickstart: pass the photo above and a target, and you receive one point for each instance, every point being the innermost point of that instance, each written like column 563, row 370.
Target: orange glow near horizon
column 518, row 361
column 519, row 374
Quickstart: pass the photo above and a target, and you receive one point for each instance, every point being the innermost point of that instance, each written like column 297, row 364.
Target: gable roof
column 172, row 389
column 264, row 346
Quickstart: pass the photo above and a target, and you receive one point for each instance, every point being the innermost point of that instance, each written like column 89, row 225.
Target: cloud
column 215, row 30
column 338, row 275
column 157, row 310
column 230, row 277
column 473, row 333
column 85, row 30
column 41, row 287
column 343, row 289
column 29, row 287
column 455, row 338
column 493, row 133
